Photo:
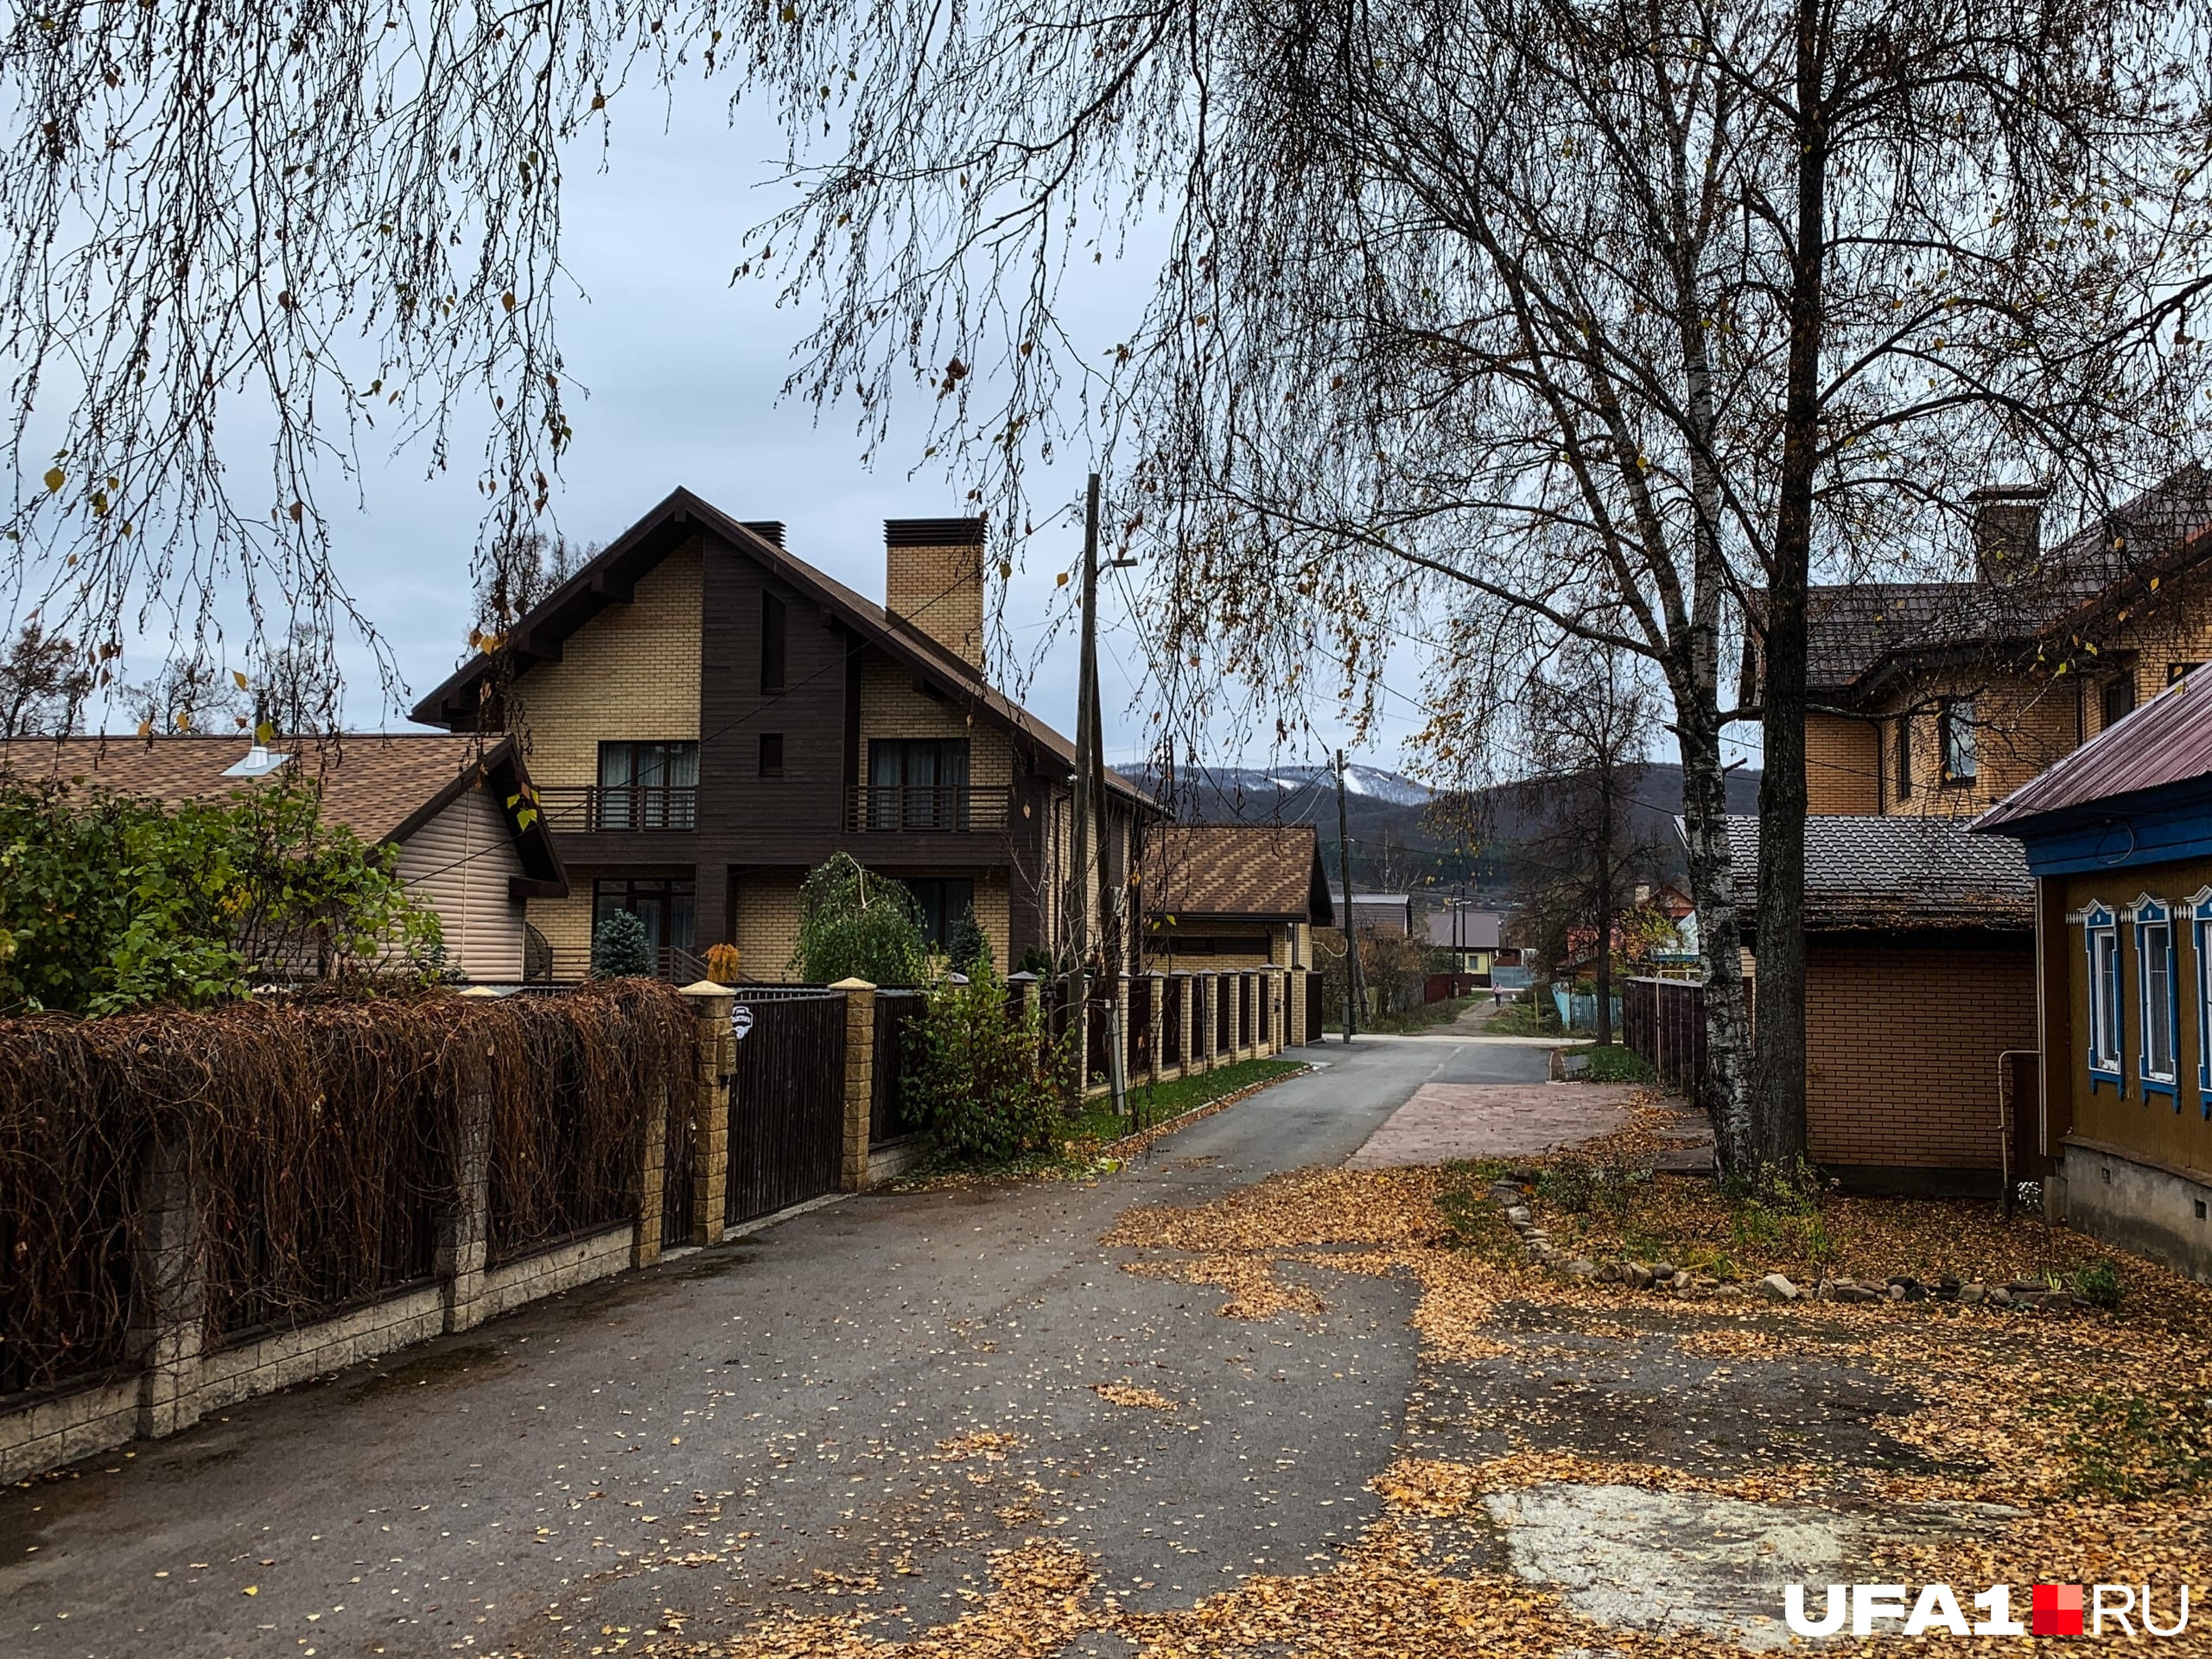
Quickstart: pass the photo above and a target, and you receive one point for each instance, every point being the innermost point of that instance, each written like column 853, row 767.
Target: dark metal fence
column 1225, row 1011
column 679, row 1167
column 1316, row 1014
column 895, row 1013
column 786, row 1099
column 1140, row 1048
column 1171, row 1022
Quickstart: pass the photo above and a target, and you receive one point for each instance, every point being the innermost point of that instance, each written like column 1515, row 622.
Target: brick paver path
column 1443, row 1121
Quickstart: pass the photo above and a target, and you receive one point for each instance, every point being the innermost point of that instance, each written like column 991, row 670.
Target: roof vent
column 259, row 761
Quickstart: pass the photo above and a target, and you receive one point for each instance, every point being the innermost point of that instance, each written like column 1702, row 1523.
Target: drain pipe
column 2004, row 1129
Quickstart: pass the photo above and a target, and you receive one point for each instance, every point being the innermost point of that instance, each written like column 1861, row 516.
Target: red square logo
column 2058, row 1610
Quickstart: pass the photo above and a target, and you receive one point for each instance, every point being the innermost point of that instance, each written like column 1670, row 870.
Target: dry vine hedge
column 320, row 1138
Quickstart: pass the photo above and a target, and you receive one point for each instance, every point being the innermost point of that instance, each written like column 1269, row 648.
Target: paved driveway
column 887, row 1385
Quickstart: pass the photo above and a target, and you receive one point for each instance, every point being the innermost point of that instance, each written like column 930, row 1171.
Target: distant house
column 1941, row 698
column 1920, row 982
column 709, row 717
column 2118, row 838
column 1232, row 895
column 441, row 801
column 1468, row 935
column 1386, row 913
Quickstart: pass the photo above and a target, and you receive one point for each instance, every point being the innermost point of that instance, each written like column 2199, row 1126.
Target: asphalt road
column 768, row 1425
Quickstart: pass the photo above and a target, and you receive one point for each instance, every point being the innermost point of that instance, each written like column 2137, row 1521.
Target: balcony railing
column 579, row 809
column 925, row 808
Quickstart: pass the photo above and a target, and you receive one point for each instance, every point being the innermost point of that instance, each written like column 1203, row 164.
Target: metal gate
column 1313, row 1009
column 786, row 1099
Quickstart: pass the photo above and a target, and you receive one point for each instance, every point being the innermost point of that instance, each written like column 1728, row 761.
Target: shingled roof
column 1859, row 630
column 1247, row 872
column 1898, row 874
column 381, row 785
column 611, row 575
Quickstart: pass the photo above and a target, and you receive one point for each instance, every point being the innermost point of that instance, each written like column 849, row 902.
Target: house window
column 772, row 754
column 2118, row 702
column 2101, row 939
column 664, row 907
column 772, row 643
column 646, row 785
column 938, row 905
column 918, row 783
column 1954, row 731
column 2176, row 670
column 2157, row 994
column 1904, row 756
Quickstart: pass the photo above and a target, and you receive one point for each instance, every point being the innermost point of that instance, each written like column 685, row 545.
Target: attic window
column 772, row 653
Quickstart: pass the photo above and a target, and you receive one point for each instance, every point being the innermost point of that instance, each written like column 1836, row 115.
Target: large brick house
column 1930, row 703
column 708, row 717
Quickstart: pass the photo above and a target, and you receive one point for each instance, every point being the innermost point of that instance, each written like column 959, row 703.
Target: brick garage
column 1919, row 979
column 1903, row 1040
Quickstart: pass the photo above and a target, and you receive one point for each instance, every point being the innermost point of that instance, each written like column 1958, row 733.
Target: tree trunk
column 1711, row 878
column 1778, row 1059
column 1605, row 878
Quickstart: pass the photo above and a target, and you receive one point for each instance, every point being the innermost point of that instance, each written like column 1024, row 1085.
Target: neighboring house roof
column 1257, row 872
column 1896, row 874
column 2166, row 741
column 1860, row 631
column 610, row 576
column 382, row 786
column 1477, row 930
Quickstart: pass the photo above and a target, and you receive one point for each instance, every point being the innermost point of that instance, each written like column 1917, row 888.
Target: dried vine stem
column 319, row 1138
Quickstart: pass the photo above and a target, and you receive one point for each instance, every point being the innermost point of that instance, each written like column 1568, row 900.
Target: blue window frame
column 2200, row 911
column 2101, row 942
column 2158, row 997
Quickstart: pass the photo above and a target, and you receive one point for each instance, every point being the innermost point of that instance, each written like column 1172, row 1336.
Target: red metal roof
column 2167, row 741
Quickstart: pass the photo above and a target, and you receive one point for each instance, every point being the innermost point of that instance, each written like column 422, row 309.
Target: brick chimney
column 2007, row 531
column 933, row 580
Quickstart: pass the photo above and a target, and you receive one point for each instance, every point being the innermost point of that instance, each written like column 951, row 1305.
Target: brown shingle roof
column 611, row 575
column 380, row 785
column 1858, row 628
column 1253, row 870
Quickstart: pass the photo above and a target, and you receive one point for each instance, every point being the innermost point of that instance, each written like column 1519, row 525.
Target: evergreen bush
column 620, row 948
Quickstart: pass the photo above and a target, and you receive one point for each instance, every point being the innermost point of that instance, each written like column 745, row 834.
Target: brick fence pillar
column 1157, row 1015
column 860, row 1080
column 653, row 1169
column 465, row 1230
column 1293, row 1008
column 168, row 1315
column 712, row 1003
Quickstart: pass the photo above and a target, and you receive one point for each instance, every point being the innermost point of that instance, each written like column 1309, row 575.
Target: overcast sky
column 682, row 371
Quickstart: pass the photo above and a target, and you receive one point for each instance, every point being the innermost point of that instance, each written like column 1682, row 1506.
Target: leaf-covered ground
column 1936, row 1441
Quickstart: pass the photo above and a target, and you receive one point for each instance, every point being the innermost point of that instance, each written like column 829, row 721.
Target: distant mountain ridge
column 1388, row 814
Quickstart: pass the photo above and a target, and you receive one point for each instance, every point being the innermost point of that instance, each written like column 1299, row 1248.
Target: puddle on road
column 1654, row 1560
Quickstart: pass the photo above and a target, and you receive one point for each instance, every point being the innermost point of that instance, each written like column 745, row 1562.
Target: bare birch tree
column 1586, row 318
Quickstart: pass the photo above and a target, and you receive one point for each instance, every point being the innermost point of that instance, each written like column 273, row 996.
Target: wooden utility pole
column 1356, row 980
column 1090, row 830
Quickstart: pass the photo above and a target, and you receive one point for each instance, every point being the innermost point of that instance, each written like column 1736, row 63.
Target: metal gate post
column 711, row 1003
column 860, row 1080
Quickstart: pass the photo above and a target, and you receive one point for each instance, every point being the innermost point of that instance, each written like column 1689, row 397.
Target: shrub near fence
column 304, row 1154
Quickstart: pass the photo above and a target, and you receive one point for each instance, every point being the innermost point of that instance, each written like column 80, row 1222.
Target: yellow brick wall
column 2175, row 627
column 2022, row 724
column 1901, row 1051
column 1841, row 761
column 631, row 672
column 566, row 924
column 890, row 707
column 940, row 591
column 767, row 923
column 2171, row 1129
